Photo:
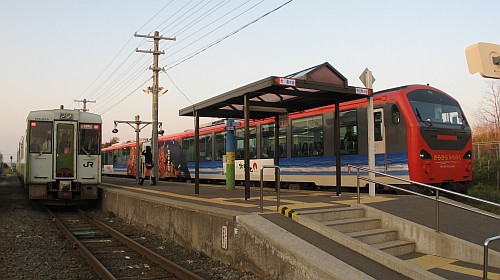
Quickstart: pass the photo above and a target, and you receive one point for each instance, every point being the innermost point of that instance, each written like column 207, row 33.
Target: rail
column 437, row 199
column 277, row 186
column 486, row 243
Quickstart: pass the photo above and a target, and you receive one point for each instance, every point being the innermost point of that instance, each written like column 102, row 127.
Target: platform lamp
column 139, row 125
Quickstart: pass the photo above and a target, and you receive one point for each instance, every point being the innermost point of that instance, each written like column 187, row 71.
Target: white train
column 59, row 156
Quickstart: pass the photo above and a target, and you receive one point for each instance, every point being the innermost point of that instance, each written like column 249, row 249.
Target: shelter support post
column 338, row 169
column 246, row 106
column 197, row 154
column 277, row 151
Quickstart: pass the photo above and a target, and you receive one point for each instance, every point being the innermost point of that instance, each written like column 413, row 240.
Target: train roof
column 64, row 114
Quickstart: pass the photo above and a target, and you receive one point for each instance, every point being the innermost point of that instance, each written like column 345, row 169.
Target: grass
column 484, row 184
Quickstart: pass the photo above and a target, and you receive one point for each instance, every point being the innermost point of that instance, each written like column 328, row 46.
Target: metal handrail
column 278, row 185
column 437, row 189
column 486, row 243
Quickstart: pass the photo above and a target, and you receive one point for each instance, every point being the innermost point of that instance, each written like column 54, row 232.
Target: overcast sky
column 54, row 52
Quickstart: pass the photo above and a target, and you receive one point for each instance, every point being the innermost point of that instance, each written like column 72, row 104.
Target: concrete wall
column 192, row 228
column 253, row 243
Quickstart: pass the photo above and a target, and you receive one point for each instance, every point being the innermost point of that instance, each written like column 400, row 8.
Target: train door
column 65, row 151
column 378, row 118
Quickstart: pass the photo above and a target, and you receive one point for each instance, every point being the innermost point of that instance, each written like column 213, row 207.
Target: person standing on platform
column 148, row 164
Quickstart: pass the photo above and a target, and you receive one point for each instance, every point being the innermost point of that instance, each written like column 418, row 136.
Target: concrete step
column 334, row 214
column 396, row 247
column 351, row 225
column 374, row 236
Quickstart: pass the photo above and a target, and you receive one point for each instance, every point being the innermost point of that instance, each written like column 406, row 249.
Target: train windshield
column 40, row 137
column 431, row 107
column 90, row 137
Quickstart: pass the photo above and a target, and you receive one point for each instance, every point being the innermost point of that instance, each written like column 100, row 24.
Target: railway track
column 112, row 254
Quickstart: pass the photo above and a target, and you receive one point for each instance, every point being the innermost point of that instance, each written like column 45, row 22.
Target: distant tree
column 113, row 140
column 488, row 113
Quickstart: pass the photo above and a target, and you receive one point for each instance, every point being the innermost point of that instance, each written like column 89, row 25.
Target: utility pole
column 156, row 69
column 85, row 101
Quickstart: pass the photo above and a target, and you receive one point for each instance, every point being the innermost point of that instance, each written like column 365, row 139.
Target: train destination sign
column 285, row 82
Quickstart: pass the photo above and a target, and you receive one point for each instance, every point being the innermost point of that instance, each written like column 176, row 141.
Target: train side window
column 396, row 115
column 188, row 148
column 206, row 148
column 40, row 137
column 240, row 142
column 348, row 132
column 307, row 136
column 378, row 126
column 267, row 141
column 220, row 145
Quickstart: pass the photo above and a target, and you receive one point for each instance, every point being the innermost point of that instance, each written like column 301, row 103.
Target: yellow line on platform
column 217, row 201
column 428, row 262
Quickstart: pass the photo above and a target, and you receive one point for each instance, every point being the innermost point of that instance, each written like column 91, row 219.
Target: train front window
column 431, row 107
column 90, row 137
column 40, row 137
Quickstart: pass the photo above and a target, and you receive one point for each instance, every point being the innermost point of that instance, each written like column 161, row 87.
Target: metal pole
column 437, row 210
column 247, row 147
column 197, row 153
column 137, row 149
column 154, row 136
column 485, row 257
column 338, row 169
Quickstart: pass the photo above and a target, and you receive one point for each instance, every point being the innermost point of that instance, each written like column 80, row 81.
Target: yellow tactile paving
column 366, row 200
column 428, row 262
column 209, row 200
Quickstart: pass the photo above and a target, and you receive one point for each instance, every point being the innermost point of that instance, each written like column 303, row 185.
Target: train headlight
column 425, row 155
column 468, row 155
column 114, row 130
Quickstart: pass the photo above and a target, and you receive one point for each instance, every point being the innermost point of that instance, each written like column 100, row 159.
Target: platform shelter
column 276, row 97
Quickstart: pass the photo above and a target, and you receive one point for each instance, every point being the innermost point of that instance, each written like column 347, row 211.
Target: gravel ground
column 31, row 246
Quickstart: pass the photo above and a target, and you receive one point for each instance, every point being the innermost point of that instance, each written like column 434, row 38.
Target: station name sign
column 285, row 82
column 363, row 91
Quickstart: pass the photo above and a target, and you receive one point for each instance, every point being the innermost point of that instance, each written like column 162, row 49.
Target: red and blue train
column 421, row 134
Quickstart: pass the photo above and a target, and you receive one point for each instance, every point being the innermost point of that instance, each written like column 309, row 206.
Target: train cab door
column 65, row 150
column 379, row 137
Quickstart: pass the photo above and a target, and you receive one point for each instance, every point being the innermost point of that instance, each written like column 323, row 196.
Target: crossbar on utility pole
column 137, row 129
column 85, row 101
column 156, row 52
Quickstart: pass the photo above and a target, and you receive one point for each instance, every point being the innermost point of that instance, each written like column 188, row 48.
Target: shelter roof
column 310, row 88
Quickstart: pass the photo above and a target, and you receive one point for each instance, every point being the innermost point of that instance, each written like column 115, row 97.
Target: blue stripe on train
column 397, row 165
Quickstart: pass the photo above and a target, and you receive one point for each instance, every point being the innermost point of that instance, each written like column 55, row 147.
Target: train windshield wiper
column 426, row 122
column 83, row 149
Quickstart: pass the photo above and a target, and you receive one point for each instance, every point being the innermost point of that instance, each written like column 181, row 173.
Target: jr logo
column 88, row 164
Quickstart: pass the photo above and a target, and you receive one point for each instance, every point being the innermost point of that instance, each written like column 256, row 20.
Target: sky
column 54, row 52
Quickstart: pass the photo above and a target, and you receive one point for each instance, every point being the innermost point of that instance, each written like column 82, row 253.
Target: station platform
column 216, row 200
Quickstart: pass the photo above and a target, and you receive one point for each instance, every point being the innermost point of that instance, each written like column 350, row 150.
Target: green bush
column 484, row 184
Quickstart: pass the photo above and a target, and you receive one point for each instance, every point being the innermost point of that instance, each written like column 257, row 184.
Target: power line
column 178, row 88
column 177, row 62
